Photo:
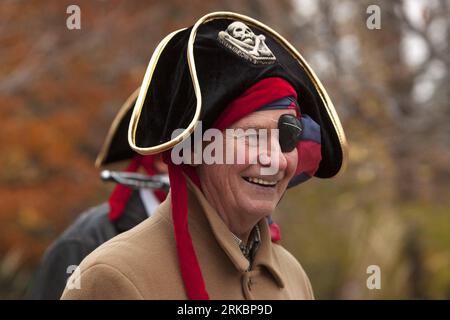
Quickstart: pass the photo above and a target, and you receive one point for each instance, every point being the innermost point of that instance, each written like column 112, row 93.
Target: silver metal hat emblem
column 239, row 38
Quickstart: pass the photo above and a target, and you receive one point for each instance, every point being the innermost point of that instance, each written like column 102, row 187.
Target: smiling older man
column 210, row 238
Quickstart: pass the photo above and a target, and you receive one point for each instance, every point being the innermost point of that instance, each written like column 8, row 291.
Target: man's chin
column 260, row 211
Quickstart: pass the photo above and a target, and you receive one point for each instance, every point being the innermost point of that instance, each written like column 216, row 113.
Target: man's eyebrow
column 254, row 126
column 257, row 125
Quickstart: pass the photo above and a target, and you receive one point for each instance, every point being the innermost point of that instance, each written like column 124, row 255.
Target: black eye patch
column 290, row 130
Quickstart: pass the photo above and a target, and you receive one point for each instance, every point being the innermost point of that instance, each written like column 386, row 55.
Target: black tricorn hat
column 196, row 72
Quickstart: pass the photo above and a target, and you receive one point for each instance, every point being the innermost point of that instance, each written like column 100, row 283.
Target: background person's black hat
column 116, row 147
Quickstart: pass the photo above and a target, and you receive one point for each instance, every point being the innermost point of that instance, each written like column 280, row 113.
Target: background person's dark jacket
column 89, row 231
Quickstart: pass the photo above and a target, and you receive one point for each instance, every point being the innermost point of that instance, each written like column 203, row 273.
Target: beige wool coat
column 142, row 263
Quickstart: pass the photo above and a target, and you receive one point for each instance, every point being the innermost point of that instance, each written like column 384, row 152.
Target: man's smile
column 261, row 182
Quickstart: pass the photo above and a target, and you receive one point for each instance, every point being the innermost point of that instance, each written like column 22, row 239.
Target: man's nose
column 272, row 154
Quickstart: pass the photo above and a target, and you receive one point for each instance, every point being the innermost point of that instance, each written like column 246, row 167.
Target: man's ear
column 194, row 159
column 195, row 153
column 159, row 164
column 193, row 165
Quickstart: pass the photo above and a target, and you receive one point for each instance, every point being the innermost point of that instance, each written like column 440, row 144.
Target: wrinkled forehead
column 265, row 119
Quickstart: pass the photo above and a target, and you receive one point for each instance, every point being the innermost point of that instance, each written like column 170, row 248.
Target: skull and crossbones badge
column 240, row 39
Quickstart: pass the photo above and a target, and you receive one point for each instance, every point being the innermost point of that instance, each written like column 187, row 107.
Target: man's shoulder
column 292, row 269
column 285, row 257
column 137, row 263
column 140, row 246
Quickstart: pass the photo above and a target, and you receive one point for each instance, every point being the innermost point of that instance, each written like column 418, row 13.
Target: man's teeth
column 261, row 181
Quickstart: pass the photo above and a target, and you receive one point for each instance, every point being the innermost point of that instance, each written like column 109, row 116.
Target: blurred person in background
column 126, row 208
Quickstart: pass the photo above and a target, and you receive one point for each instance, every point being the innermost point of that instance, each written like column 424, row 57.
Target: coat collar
column 133, row 213
column 265, row 254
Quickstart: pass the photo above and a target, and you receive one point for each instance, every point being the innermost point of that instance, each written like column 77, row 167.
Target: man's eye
column 290, row 130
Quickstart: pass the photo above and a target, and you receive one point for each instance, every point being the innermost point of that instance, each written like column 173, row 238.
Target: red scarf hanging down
column 187, row 258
